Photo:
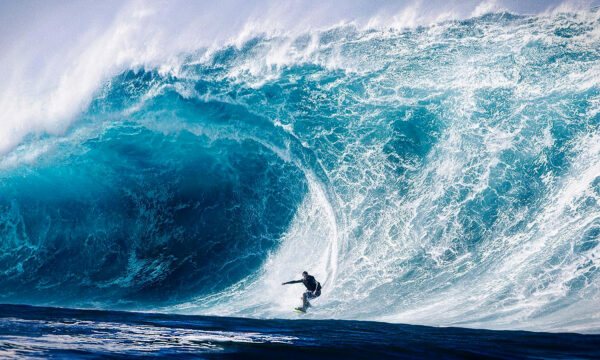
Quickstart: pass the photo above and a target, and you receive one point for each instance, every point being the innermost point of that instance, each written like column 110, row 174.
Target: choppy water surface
column 34, row 332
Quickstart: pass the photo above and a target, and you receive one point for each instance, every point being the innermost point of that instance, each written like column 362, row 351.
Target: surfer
column 313, row 287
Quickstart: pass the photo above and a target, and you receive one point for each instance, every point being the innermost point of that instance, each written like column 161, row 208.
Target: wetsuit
column 311, row 284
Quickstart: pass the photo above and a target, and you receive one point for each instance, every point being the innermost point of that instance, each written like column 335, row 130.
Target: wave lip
column 45, row 87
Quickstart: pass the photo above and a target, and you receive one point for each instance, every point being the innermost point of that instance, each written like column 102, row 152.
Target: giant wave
column 444, row 174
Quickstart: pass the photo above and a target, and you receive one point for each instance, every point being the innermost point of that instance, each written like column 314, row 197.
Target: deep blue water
column 59, row 333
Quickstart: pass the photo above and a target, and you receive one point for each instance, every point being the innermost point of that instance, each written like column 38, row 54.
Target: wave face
column 146, row 205
column 447, row 175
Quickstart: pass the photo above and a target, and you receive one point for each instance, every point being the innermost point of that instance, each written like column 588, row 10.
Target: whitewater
column 429, row 163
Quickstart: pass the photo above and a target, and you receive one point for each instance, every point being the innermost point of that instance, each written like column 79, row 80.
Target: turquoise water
column 446, row 174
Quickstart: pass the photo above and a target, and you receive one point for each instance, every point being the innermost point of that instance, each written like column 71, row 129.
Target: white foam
column 124, row 339
column 55, row 57
column 311, row 243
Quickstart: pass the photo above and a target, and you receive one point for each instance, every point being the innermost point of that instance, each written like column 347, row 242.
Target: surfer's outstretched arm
column 292, row 282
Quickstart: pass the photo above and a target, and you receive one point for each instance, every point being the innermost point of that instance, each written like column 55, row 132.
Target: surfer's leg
column 305, row 303
column 307, row 296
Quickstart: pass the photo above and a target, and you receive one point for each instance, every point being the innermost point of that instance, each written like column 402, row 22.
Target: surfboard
column 299, row 311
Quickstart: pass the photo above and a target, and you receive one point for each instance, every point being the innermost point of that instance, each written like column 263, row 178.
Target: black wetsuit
column 311, row 284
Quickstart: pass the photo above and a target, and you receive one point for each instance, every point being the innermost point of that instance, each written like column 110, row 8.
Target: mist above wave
column 79, row 46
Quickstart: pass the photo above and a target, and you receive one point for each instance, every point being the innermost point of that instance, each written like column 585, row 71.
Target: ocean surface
column 432, row 169
column 41, row 332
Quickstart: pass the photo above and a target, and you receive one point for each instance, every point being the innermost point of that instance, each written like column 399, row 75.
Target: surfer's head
column 304, row 274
